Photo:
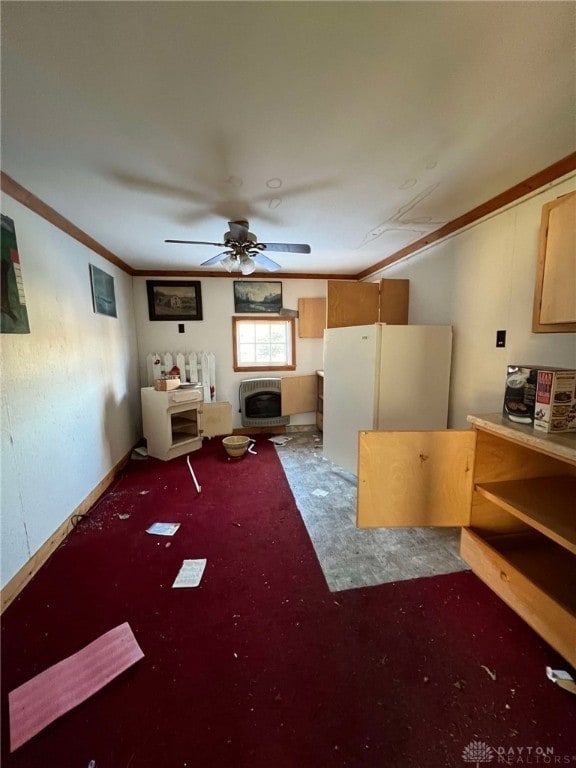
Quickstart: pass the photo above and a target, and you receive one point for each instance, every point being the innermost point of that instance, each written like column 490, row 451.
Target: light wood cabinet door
column 216, row 419
column 555, row 292
column 311, row 318
column 410, row 479
column 394, row 301
column 350, row 302
column 298, row 394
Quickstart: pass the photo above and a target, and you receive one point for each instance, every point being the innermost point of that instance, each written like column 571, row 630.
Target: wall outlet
column 500, row 338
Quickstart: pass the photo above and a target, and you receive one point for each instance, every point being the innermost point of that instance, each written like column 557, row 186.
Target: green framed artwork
column 103, row 296
column 13, row 314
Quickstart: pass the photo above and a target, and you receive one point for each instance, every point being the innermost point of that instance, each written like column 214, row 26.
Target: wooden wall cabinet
column 311, row 318
column 555, row 291
column 350, row 302
column 512, row 490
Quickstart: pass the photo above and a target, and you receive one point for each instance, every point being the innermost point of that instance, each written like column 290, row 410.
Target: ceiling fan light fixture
column 228, row 263
column 247, row 265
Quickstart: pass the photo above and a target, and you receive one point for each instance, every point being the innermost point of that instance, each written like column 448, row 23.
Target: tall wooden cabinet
column 511, row 489
column 350, row 302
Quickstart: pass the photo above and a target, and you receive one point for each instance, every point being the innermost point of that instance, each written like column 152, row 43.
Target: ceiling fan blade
column 287, row 247
column 194, row 242
column 215, row 259
column 265, row 262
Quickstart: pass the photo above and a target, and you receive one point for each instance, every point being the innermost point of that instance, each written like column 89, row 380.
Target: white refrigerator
column 387, row 377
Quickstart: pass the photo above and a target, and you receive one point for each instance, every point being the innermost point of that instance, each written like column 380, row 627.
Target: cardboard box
column 167, row 384
column 555, row 406
column 520, row 393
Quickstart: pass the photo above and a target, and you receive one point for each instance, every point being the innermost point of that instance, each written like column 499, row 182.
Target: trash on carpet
column 561, row 678
column 65, row 685
column 163, row 529
column 319, row 492
column 139, row 453
column 198, row 487
column 489, row 671
column 251, row 445
column 279, row 439
column 122, row 517
column 190, row 573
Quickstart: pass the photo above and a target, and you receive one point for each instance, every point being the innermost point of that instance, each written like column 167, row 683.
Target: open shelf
column 183, row 422
column 544, row 503
column 534, row 576
column 178, row 438
column 546, row 565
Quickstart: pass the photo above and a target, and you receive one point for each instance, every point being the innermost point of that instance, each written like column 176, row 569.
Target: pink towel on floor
column 60, row 688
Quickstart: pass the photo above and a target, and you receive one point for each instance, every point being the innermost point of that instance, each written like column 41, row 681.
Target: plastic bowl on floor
column 236, row 445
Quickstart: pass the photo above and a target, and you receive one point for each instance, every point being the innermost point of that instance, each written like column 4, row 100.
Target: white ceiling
column 356, row 127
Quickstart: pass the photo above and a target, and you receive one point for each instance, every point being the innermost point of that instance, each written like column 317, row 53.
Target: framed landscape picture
column 174, row 299
column 14, row 315
column 103, row 296
column 257, row 296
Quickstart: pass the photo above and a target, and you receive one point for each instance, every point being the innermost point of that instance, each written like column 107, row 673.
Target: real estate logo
column 477, row 752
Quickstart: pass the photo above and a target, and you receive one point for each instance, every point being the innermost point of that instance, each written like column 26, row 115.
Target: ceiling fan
column 243, row 251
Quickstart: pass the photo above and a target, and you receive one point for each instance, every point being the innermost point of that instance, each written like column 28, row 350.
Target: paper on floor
column 63, row 686
column 562, row 678
column 163, row 529
column 319, row 492
column 190, row 573
column 280, row 440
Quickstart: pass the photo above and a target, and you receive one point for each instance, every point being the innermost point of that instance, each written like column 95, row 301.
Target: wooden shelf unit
column 320, row 400
column 513, row 492
column 546, row 504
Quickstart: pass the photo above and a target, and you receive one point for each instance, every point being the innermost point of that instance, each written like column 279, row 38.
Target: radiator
column 252, row 387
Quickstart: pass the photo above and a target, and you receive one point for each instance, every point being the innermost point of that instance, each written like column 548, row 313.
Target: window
column 264, row 344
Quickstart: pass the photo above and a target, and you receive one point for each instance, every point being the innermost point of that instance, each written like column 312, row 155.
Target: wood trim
column 17, row 583
column 236, row 275
column 553, row 172
column 260, row 319
column 22, row 195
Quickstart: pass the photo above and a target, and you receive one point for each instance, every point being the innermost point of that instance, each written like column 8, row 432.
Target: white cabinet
column 171, row 421
column 175, row 422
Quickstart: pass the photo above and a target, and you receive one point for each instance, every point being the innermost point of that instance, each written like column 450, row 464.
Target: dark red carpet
column 261, row 666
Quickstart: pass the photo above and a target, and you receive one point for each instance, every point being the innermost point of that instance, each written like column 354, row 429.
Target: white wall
column 482, row 280
column 214, row 334
column 70, row 390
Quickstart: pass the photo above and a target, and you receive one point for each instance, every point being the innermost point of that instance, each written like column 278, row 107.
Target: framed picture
column 174, row 299
column 103, row 297
column 257, row 296
column 14, row 315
